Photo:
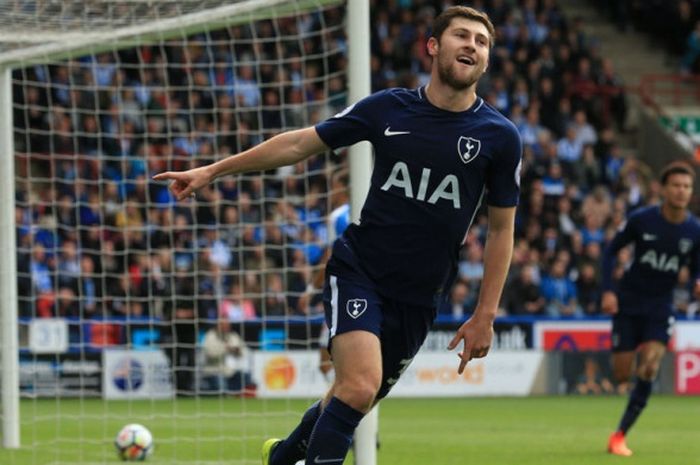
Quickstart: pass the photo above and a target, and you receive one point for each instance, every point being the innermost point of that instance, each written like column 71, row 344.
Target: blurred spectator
column 553, row 183
column 530, row 130
column 523, row 296
column 592, row 229
column 184, row 337
column 570, row 147
column 235, row 306
column 588, row 289
column 585, row 134
column 67, row 303
column 68, row 272
column 614, row 99
column 274, row 301
column 226, row 365
column 635, row 178
column 592, row 381
column 586, row 171
column 597, row 204
column 559, row 292
column 566, row 222
column 691, row 57
column 461, row 301
column 40, row 270
column 90, row 290
column 471, row 270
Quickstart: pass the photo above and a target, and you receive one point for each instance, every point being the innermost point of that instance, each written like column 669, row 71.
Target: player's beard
column 448, row 74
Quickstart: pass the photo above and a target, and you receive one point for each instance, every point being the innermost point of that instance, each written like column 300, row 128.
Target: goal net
column 196, row 319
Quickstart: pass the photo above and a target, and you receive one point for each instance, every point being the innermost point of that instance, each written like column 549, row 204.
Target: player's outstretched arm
column 477, row 332
column 284, row 149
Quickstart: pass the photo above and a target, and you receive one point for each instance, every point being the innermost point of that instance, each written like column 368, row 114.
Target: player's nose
column 470, row 46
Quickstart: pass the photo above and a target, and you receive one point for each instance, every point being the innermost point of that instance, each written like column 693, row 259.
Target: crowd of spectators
column 98, row 239
column 672, row 24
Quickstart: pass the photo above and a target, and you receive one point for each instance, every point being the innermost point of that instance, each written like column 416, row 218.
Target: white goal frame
column 67, row 45
column 8, row 272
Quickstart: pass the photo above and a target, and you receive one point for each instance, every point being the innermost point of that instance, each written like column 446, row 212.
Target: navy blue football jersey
column 661, row 249
column 432, row 168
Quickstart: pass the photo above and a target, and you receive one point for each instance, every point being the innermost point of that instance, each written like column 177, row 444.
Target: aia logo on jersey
column 356, row 307
column 661, row 261
column 468, row 148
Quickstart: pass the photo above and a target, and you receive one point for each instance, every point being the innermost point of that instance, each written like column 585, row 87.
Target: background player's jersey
column 660, row 250
column 338, row 221
column 431, row 169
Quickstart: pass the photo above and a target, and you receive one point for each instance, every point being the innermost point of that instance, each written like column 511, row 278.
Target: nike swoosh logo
column 318, row 459
column 388, row 132
column 648, row 237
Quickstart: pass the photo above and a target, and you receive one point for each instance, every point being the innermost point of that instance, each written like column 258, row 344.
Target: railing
column 674, row 100
column 657, row 90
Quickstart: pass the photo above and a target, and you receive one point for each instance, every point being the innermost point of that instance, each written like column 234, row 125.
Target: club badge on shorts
column 356, row 307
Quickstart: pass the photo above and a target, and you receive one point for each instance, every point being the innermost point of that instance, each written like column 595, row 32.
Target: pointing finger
column 164, row 176
column 465, row 356
column 463, row 363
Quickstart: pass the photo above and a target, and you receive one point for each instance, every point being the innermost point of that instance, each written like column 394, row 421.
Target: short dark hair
column 677, row 167
column 444, row 19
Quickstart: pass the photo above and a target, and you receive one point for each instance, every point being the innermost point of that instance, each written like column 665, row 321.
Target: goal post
column 38, row 39
column 359, row 86
column 8, row 270
column 365, row 440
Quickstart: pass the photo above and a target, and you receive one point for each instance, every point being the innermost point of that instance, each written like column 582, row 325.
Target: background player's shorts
column 629, row 331
column 352, row 304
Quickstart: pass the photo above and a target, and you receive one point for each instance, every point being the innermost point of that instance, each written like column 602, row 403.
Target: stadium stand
column 545, row 75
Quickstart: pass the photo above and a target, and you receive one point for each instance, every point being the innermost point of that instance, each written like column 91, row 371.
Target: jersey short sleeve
column 352, row 125
column 503, row 182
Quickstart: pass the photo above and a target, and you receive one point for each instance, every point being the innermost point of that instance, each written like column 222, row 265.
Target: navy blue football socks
column 293, row 449
column 332, row 435
column 637, row 401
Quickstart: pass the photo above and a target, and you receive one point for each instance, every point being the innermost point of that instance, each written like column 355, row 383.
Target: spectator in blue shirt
column 559, row 292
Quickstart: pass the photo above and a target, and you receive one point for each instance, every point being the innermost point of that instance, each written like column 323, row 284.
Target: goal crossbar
column 35, row 46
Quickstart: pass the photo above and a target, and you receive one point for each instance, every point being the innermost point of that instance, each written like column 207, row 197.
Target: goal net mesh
column 119, row 285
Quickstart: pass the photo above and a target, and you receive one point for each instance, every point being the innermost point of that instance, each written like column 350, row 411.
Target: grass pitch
column 480, row 431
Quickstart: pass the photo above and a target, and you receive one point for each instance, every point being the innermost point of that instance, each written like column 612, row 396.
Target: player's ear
column 433, row 46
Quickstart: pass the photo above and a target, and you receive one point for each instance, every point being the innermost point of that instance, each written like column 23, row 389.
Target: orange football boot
column 617, row 444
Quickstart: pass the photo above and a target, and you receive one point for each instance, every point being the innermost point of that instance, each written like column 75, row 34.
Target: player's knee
column 359, row 394
column 648, row 371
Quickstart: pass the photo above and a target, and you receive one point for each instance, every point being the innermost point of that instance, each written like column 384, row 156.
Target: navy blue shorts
column 629, row 331
column 352, row 304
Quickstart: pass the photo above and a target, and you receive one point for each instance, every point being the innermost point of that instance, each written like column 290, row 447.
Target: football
column 134, row 443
